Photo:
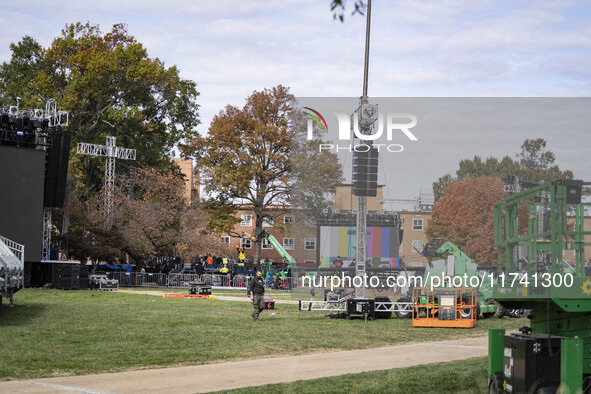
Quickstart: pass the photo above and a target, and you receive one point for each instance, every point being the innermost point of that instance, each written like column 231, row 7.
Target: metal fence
column 145, row 279
column 138, row 279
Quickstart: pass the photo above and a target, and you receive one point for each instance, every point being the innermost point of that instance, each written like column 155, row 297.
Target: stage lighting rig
column 30, row 128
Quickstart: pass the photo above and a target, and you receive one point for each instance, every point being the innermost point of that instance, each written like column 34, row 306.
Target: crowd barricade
column 241, row 280
column 179, row 279
column 139, row 279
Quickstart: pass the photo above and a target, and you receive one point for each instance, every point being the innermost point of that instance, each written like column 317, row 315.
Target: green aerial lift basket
column 534, row 230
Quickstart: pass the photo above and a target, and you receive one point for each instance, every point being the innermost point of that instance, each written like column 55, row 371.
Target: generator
column 199, row 288
column 531, row 363
column 102, row 282
column 365, row 307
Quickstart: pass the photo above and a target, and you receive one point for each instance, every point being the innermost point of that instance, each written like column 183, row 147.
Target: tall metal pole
column 362, row 200
column 366, row 64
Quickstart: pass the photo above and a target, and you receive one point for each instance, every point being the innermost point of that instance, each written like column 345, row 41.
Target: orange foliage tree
column 157, row 221
column 464, row 216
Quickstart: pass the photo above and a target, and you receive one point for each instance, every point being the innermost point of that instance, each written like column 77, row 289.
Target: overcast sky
column 442, row 48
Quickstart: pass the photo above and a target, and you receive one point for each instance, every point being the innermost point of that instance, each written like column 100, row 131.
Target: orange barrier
column 444, row 307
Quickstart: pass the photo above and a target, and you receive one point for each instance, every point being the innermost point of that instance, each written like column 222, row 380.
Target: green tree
column 110, row 86
column 533, row 163
column 18, row 78
column 536, row 162
column 247, row 160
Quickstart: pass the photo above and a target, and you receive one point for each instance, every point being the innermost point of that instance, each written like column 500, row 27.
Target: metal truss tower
column 111, row 152
column 46, row 241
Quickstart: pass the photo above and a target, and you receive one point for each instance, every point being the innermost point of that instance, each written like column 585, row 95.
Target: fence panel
column 178, row 279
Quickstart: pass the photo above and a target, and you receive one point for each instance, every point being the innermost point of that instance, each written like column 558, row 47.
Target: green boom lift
column 267, row 267
column 533, row 230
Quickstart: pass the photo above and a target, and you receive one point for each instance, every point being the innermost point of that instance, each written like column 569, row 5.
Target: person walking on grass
column 257, row 295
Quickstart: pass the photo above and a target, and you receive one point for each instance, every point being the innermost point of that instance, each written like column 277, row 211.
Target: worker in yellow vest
column 225, row 272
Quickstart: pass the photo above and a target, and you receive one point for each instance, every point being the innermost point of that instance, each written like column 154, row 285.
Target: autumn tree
column 158, row 221
column 247, row 159
column 534, row 163
column 464, row 216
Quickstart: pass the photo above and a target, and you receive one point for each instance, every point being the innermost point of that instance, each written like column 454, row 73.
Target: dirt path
column 229, row 375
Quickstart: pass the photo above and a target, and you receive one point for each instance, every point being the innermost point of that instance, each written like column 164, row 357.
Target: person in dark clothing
column 199, row 269
column 257, row 295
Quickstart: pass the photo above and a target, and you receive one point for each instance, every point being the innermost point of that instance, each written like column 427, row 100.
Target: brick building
column 414, row 237
column 299, row 236
column 291, row 228
column 191, row 181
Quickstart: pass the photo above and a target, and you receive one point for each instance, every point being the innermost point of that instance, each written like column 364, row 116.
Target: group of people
column 158, row 265
column 338, row 263
column 212, row 262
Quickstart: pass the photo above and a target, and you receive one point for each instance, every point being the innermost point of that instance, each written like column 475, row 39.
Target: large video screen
column 383, row 244
column 22, row 173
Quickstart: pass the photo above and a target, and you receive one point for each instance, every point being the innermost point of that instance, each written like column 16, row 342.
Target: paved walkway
column 229, row 375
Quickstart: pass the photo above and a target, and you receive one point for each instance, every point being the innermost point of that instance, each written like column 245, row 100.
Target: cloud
column 418, row 48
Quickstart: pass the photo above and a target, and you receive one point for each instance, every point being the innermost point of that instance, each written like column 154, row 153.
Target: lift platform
column 444, row 307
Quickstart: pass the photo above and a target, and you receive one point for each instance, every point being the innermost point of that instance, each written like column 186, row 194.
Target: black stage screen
column 22, row 173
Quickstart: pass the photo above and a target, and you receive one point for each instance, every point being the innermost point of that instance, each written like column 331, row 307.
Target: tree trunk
column 257, row 229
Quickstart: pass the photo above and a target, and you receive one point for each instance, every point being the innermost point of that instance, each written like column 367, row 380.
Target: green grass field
column 466, row 376
column 57, row 332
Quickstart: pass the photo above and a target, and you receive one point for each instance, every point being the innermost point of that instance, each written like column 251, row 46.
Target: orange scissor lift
column 444, row 307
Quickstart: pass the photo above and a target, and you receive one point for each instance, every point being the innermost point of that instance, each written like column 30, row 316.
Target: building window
column 266, row 244
column 417, row 224
column 288, row 220
column 225, row 240
column 268, row 222
column 245, row 243
column 246, row 220
column 310, row 244
column 417, row 246
column 288, row 243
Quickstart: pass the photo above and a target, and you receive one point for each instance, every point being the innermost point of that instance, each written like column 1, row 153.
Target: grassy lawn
column 466, row 376
column 57, row 332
